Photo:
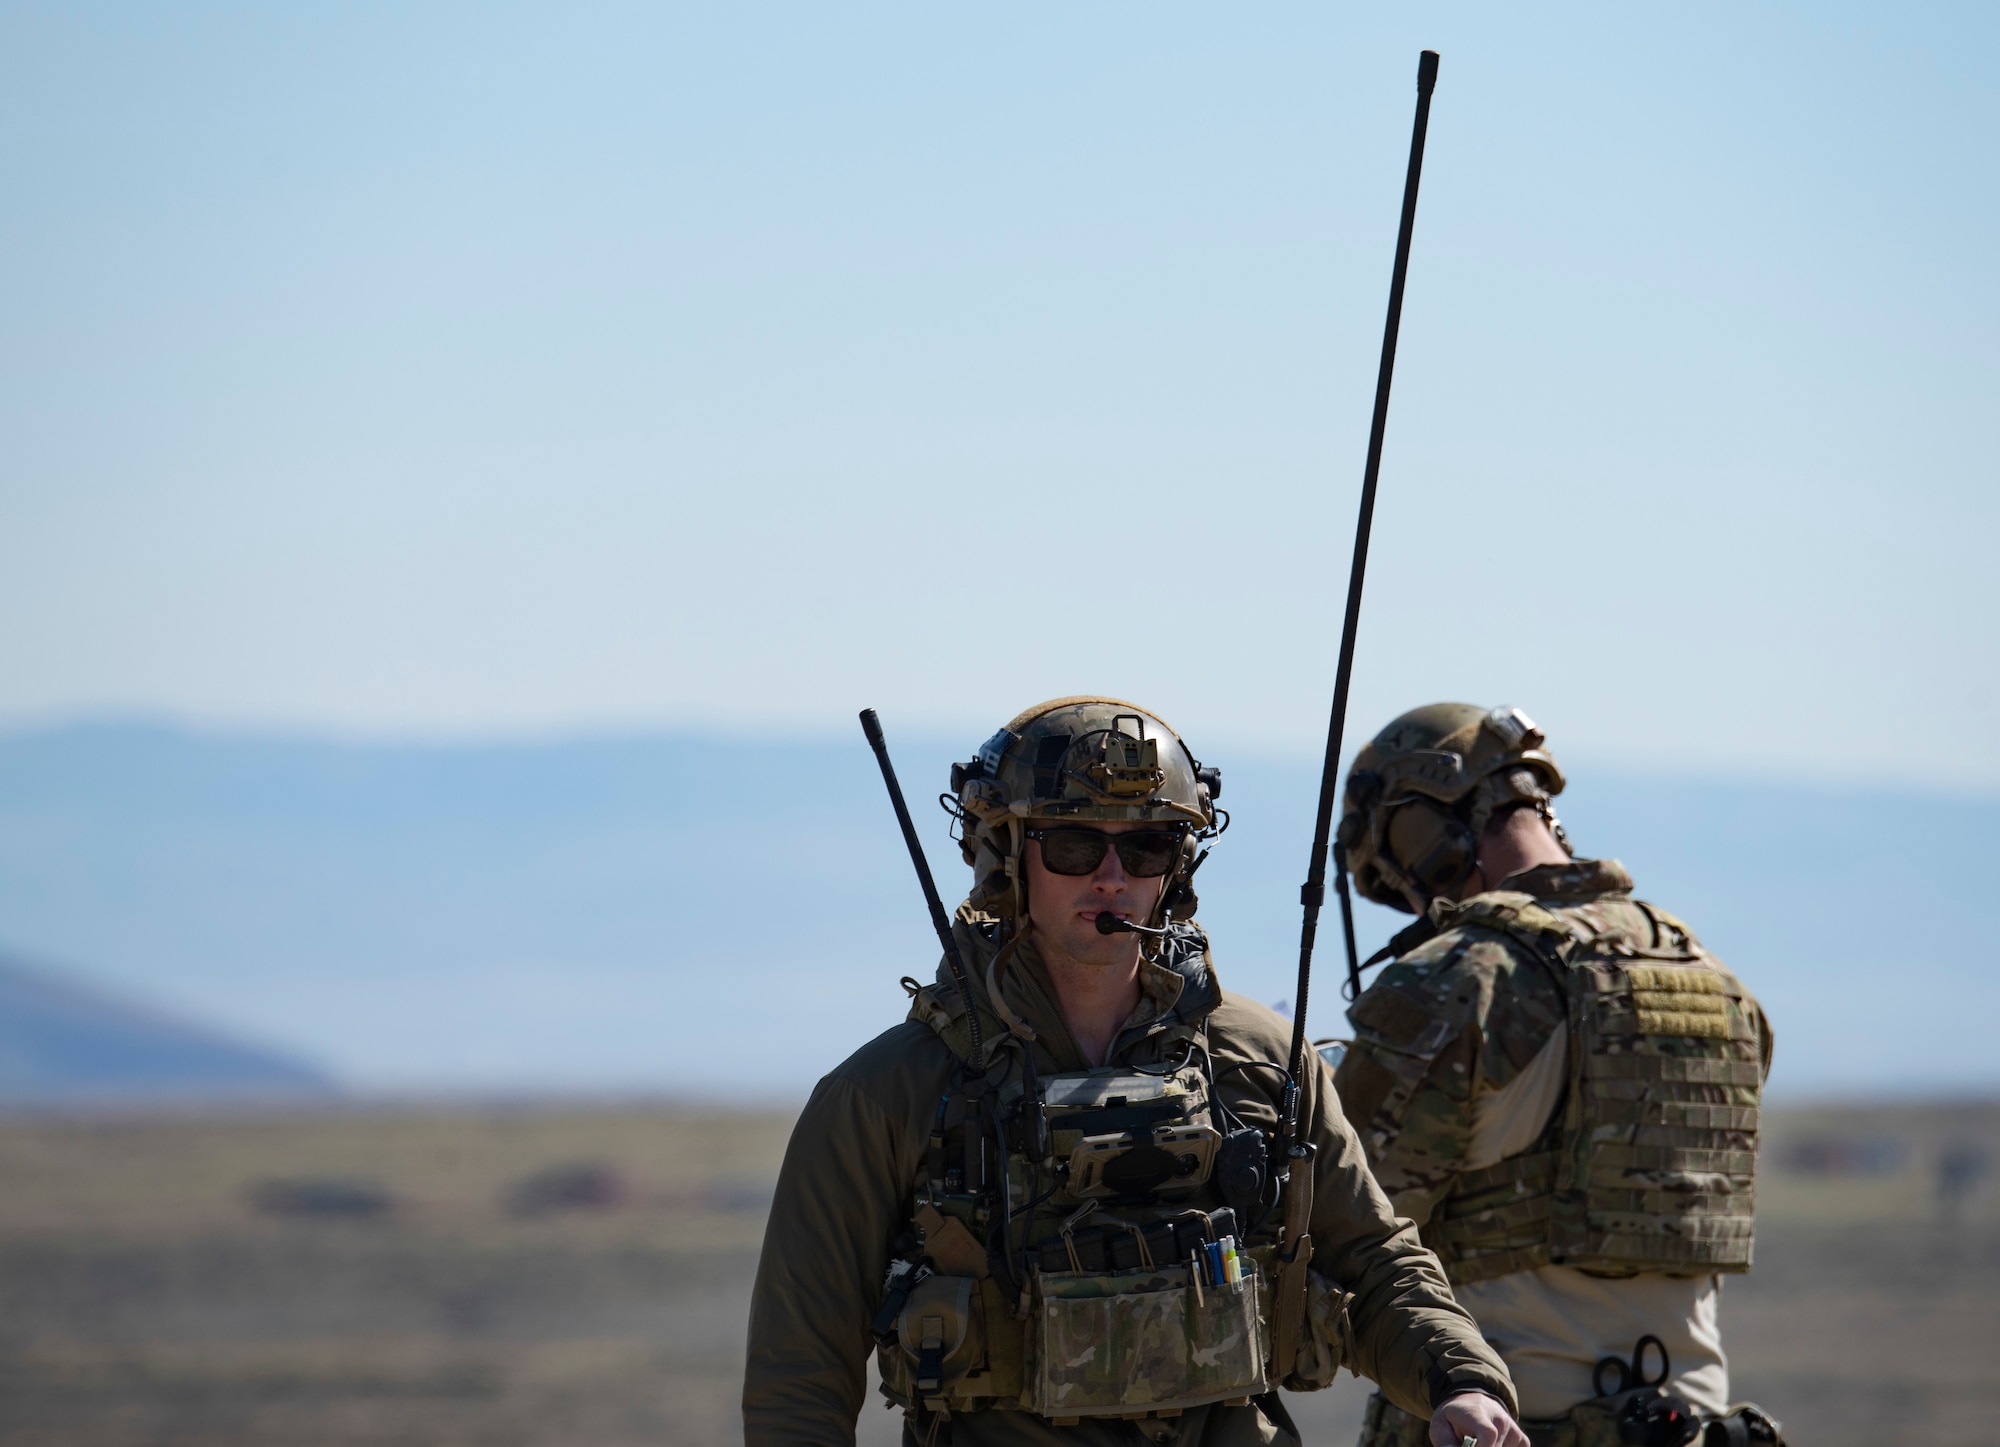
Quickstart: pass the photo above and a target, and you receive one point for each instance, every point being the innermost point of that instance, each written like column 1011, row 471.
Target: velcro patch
column 1675, row 980
column 1683, row 1021
column 1673, row 1000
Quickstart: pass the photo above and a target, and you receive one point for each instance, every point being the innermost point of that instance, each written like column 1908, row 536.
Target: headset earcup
column 1180, row 900
column 1432, row 845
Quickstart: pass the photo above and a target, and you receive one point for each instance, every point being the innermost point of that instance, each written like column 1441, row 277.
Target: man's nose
column 1111, row 873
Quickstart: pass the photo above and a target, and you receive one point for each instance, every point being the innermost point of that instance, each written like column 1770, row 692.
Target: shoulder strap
column 1547, row 933
column 1404, row 940
column 941, row 1008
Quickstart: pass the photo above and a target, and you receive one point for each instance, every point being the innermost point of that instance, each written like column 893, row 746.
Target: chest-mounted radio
column 1125, row 1136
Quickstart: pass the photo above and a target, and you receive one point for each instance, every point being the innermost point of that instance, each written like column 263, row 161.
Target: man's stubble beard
column 1121, row 953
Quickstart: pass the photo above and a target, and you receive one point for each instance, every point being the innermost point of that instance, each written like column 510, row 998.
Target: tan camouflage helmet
column 1079, row 760
column 1425, row 788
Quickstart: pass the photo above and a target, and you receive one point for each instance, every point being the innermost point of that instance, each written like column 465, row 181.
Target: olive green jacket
column 856, row 1159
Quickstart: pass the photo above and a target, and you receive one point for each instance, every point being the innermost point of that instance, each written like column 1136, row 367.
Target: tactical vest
column 1649, row 1165
column 1066, row 1252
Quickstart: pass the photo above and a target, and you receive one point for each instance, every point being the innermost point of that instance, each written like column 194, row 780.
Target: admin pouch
column 1140, row 1343
column 1096, row 1344
column 1137, row 1333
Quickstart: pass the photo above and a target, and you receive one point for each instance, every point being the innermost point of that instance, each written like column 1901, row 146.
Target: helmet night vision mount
column 1082, row 759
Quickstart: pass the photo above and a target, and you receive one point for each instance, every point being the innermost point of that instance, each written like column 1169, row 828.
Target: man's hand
column 1476, row 1416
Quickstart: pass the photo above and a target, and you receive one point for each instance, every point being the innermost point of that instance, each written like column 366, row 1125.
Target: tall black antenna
column 940, row 921
column 1313, row 893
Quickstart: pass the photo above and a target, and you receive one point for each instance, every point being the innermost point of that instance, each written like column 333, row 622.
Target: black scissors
column 1633, row 1373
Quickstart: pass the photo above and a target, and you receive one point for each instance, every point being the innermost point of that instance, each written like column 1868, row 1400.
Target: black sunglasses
column 1145, row 853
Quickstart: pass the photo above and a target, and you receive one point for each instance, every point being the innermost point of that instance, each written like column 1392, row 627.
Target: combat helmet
column 1079, row 760
column 1424, row 789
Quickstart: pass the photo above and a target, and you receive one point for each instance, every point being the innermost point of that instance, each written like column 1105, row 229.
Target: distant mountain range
column 730, row 916
column 63, row 1044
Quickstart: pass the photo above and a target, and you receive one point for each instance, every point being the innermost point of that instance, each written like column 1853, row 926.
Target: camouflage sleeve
column 1411, row 1337
column 1462, row 1014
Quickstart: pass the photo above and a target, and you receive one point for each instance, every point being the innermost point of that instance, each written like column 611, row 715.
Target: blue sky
column 474, row 371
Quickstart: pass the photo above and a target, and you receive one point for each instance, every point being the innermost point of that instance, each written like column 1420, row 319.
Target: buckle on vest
column 930, row 1357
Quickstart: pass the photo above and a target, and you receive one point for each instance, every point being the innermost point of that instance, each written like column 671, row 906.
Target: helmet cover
column 1079, row 760
column 1424, row 789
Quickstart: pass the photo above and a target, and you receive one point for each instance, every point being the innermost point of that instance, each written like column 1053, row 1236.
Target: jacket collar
column 1579, row 879
column 1177, row 986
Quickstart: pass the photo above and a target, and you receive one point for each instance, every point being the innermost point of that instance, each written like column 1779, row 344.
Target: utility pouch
column 1114, row 1245
column 1121, row 1135
column 1746, row 1425
column 941, row 1334
column 1385, row 1424
column 1327, row 1344
column 1642, row 1417
column 1131, row 1344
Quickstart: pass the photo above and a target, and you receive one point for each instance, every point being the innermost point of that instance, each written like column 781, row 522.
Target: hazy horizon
column 535, row 917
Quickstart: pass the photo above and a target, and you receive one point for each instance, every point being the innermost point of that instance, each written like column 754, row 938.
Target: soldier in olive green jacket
column 1055, row 1218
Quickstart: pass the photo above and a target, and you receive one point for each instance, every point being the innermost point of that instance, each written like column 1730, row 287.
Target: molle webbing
column 1496, row 1221
column 1650, row 1165
column 1107, row 1250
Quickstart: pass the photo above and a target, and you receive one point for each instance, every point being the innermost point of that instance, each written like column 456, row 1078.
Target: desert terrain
column 529, row 1276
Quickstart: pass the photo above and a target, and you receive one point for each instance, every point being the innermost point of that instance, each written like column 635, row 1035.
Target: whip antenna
column 1313, row 893
column 1295, row 1250
column 872, row 727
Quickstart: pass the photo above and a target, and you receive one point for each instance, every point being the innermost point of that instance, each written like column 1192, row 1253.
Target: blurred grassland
column 146, row 1298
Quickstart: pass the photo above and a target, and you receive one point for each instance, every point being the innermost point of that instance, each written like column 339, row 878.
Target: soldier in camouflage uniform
column 1557, row 1083
column 1054, row 1218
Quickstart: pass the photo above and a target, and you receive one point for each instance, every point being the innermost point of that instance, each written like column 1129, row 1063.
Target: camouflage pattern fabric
column 1387, row 1425
column 1421, row 791
column 1078, row 760
column 1110, row 1345
column 1649, row 1166
column 1467, row 1010
column 1101, row 1339
column 1590, row 1424
column 1595, row 1423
